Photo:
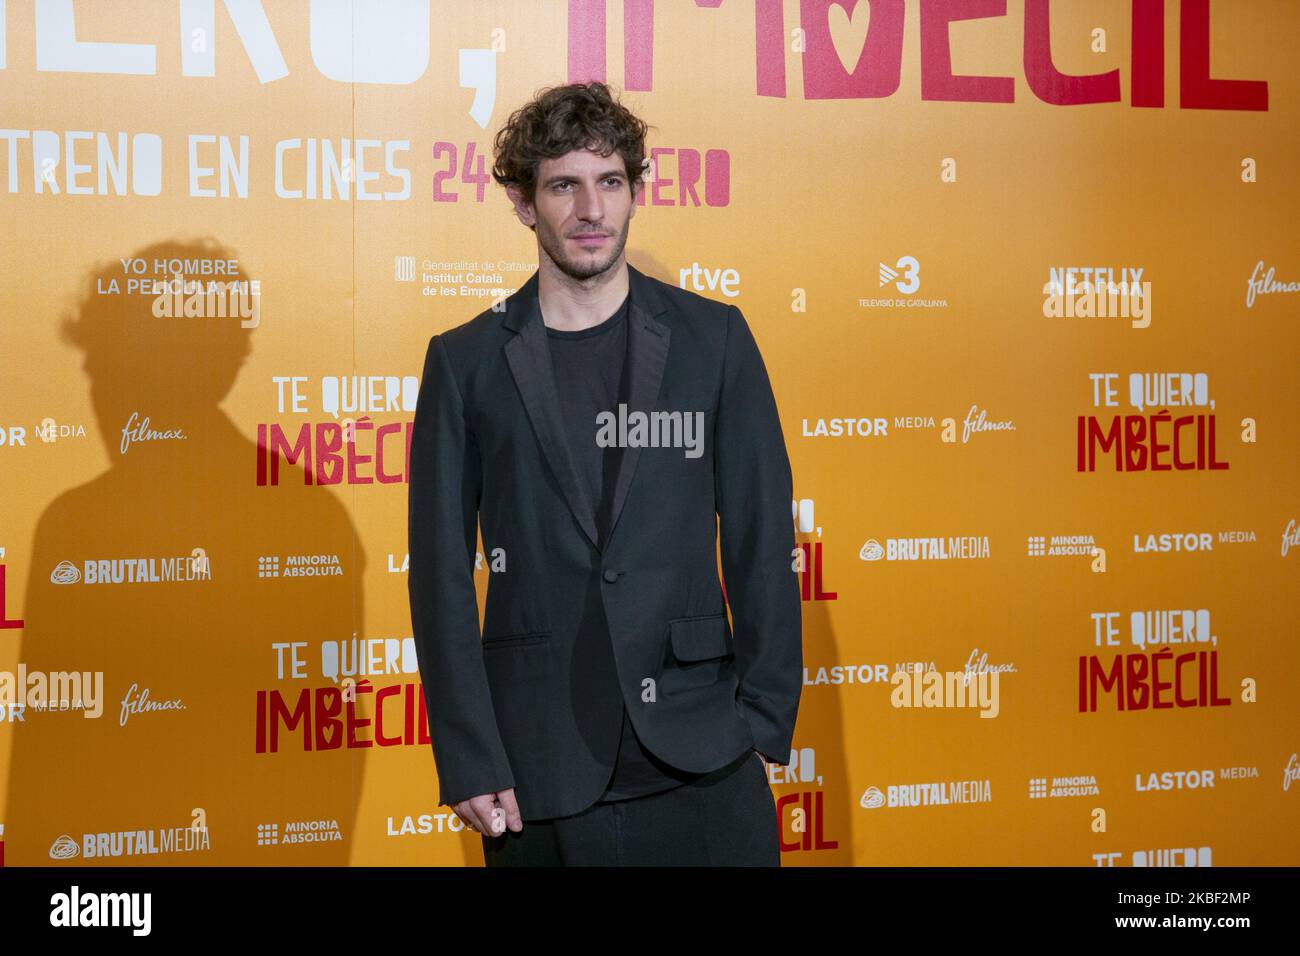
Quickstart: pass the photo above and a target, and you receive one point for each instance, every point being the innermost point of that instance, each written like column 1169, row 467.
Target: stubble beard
column 583, row 265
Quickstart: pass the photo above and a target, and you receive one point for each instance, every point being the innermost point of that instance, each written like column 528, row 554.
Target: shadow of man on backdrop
column 204, row 645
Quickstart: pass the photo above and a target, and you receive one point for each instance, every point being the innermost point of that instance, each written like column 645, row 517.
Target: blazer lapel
column 647, row 346
column 529, row 358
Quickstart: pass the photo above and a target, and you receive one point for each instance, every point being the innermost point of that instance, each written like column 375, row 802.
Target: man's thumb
column 506, row 799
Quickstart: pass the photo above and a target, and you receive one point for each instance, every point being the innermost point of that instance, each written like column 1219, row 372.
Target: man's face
column 582, row 209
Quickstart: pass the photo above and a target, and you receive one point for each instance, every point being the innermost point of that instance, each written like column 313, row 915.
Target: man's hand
column 491, row 813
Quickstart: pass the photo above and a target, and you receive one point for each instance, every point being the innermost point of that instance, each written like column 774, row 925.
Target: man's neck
column 571, row 305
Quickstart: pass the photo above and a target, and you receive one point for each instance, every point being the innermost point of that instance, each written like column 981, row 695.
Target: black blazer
column 571, row 632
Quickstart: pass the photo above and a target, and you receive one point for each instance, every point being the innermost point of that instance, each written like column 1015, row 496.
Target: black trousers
column 725, row 818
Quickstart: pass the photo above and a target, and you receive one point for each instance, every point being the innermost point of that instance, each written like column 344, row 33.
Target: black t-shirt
column 590, row 374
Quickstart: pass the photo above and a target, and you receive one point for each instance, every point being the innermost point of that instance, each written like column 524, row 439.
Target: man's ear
column 523, row 209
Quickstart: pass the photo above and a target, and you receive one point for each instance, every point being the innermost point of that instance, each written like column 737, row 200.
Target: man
column 610, row 713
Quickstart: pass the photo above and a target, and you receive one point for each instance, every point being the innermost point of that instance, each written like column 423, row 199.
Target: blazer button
column 611, row 576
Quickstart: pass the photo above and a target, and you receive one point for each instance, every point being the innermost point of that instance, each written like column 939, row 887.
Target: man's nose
column 589, row 205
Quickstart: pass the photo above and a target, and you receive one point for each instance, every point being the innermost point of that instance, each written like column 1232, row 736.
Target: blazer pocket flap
column 516, row 640
column 700, row 638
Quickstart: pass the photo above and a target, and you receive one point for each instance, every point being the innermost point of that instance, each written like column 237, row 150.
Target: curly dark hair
column 561, row 119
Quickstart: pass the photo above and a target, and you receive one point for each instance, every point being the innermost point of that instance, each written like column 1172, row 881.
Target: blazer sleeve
column 445, row 485
column 753, row 492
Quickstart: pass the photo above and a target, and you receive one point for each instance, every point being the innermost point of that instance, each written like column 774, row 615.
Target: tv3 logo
column 808, row 554
column 908, row 268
